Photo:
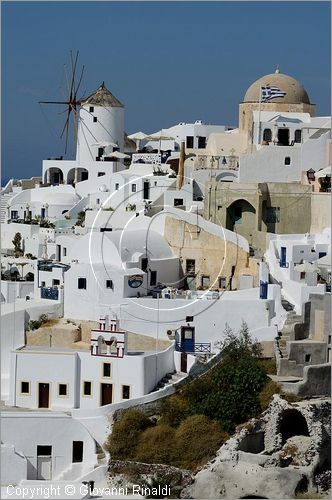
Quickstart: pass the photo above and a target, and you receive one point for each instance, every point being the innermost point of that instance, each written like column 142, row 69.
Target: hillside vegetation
column 193, row 423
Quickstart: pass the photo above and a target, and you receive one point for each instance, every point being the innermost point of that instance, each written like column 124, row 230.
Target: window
column 287, row 160
column 81, row 283
column 56, row 283
column 307, row 358
column 329, row 339
column 155, row 183
column 126, row 392
column 109, row 284
column 153, row 278
column 77, row 451
column 14, row 214
column 189, row 319
column 190, row 266
column 100, row 174
column 302, row 275
column 64, row 250
column 205, row 281
column 222, row 282
column 201, row 142
column 91, row 109
column 273, row 214
column 117, row 185
column 189, row 141
column 98, row 201
column 178, row 202
column 63, row 390
column 43, row 283
column 267, row 135
column 87, row 388
column 133, row 188
column 42, row 213
column 106, row 369
column 25, row 387
column 95, row 119
column 298, row 136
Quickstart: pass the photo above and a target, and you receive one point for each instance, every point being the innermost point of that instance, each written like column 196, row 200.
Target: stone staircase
column 168, row 379
column 285, row 366
column 5, row 197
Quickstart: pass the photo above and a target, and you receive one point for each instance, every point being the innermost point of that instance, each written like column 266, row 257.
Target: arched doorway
column 82, row 174
column 241, row 218
column 53, row 176
column 292, row 423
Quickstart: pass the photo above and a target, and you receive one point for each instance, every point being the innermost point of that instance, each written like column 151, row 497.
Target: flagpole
column 259, row 114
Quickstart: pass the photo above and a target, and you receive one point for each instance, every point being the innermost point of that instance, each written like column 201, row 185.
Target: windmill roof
column 103, row 97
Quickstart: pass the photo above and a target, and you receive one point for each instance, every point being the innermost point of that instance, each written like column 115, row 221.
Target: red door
column 106, row 394
column 43, row 395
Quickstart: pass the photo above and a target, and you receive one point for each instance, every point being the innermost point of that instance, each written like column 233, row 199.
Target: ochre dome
column 295, row 92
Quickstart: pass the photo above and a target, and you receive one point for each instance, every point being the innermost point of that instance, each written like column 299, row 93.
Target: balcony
column 200, row 347
column 49, row 293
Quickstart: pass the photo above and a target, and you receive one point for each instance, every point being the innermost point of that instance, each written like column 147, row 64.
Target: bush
column 269, row 365
column 265, row 396
column 155, row 445
column 34, row 324
column 197, row 440
column 122, row 443
column 174, row 409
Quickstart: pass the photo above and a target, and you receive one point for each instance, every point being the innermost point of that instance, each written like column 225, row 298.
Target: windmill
column 72, row 101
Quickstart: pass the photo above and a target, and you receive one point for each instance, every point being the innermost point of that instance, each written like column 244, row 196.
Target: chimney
column 180, row 177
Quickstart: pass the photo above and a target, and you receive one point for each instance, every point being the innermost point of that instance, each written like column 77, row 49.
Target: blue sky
column 166, row 61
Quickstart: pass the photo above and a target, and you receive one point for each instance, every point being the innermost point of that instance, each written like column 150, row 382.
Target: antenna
column 71, row 102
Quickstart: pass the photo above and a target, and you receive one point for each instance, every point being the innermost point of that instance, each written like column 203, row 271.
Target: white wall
column 14, row 465
column 140, row 371
column 268, row 165
column 27, row 430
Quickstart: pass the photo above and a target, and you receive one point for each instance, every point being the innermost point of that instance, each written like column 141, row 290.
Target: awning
column 138, row 136
column 159, row 136
column 325, row 172
column 117, row 154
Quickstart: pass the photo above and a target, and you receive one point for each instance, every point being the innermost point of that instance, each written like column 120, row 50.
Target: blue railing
column 49, row 293
column 199, row 347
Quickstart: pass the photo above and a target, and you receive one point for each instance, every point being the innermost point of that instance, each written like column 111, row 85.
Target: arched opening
column 77, row 175
column 292, row 423
column 267, row 135
column 226, row 177
column 252, row 443
column 53, row 176
column 102, row 347
column 241, row 217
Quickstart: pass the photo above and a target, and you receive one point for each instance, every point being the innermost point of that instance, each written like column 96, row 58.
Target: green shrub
column 34, row 324
column 123, row 441
column 265, row 396
column 197, row 440
column 155, row 445
column 269, row 365
column 174, row 409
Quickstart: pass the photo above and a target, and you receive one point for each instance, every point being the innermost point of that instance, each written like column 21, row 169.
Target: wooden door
column 43, row 395
column 106, row 394
column 184, row 362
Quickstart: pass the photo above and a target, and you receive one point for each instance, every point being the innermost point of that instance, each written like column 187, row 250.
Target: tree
column 122, row 443
column 17, row 241
column 229, row 392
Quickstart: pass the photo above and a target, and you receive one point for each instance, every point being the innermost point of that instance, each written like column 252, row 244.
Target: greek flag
column 268, row 93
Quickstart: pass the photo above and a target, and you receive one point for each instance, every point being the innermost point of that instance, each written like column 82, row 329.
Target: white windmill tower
column 100, row 126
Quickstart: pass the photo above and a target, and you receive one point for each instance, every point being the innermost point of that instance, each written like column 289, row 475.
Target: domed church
column 295, row 98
